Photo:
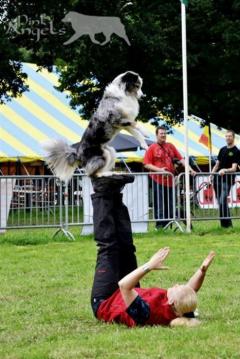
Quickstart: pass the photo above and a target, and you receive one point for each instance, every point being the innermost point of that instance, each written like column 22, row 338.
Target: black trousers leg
column 159, row 208
column 113, row 234
column 168, row 202
column 163, row 204
column 222, row 188
column 127, row 257
column 107, row 267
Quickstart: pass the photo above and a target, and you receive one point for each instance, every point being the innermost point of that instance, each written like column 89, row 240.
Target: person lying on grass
column 153, row 306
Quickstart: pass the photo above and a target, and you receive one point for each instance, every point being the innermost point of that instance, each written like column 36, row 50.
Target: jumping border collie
column 117, row 110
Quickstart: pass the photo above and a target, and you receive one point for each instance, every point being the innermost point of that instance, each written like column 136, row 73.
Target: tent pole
column 210, row 147
column 185, row 108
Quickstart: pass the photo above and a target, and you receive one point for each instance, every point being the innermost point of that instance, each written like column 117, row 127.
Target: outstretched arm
column 197, row 279
column 153, row 168
column 129, row 282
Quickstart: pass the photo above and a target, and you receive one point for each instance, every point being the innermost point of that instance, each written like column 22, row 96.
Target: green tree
column 12, row 79
column 154, row 30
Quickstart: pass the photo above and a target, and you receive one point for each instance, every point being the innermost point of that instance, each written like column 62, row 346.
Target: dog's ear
column 130, row 77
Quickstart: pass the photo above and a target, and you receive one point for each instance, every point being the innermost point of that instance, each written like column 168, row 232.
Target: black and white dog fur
column 117, row 110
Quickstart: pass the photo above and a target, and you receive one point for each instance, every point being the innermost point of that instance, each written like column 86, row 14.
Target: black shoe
column 226, row 223
column 114, row 183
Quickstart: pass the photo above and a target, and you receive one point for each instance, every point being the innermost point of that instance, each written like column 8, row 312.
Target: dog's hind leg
column 109, row 155
column 94, row 165
column 112, row 153
column 107, row 38
column 92, row 37
column 112, row 164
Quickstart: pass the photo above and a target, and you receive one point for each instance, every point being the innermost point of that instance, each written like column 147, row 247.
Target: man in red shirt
column 162, row 157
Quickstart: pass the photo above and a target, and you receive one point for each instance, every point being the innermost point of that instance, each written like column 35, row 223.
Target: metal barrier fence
column 28, row 201
column 212, row 197
column 44, row 201
column 146, row 201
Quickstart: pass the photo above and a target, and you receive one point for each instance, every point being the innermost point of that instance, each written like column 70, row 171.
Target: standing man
column 161, row 157
column 227, row 162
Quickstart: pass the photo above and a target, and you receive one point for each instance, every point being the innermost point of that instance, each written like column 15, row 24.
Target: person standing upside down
column 133, row 306
column 116, row 296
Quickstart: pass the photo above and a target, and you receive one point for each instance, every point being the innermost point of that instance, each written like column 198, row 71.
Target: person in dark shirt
column 226, row 164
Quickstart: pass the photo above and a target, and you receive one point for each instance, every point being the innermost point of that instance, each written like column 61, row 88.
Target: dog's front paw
column 142, row 130
column 145, row 147
column 104, row 174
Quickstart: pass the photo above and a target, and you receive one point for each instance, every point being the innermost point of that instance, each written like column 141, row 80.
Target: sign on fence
column 207, row 197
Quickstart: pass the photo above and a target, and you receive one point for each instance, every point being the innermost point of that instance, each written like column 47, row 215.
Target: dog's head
column 68, row 17
column 130, row 82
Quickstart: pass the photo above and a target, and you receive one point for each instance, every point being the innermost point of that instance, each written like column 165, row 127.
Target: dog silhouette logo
column 92, row 25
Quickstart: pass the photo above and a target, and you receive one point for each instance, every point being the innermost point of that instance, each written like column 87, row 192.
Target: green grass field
column 46, row 284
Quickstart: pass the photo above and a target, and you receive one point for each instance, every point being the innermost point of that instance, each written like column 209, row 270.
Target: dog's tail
column 61, row 158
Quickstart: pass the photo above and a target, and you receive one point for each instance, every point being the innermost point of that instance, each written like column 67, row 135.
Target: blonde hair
column 185, row 299
column 184, row 322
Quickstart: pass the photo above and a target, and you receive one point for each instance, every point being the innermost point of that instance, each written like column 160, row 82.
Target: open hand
column 222, row 172
column 193, row 173
column 207, row 261
column 156, row 261
column 145, row 146
column 164, row 169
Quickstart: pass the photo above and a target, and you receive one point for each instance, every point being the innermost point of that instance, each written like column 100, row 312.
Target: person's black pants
column 163, row 204
column 222, row 187
column 116, row 251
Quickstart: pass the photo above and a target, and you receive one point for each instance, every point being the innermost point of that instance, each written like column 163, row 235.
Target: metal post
column 64, row 224
column 185, row 108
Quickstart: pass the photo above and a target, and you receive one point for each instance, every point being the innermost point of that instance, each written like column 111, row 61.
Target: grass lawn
column 46, row 284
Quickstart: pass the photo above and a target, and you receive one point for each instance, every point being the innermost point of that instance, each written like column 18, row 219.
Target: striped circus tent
column 44, row 113
column 39, row 114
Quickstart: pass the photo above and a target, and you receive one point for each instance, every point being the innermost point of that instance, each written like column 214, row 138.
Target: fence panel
column 215, row 197
column 43, row 201
column 30, row 201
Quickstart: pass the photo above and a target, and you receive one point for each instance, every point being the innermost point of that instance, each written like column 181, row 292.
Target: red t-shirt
column 113, row 309
column 162, row 156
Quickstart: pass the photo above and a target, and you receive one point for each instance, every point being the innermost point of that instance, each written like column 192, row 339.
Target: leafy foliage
column 11, row 77
column 154, row 31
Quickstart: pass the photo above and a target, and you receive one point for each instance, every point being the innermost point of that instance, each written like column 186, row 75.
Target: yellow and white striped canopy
column 44, row 113
column 39, row 114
